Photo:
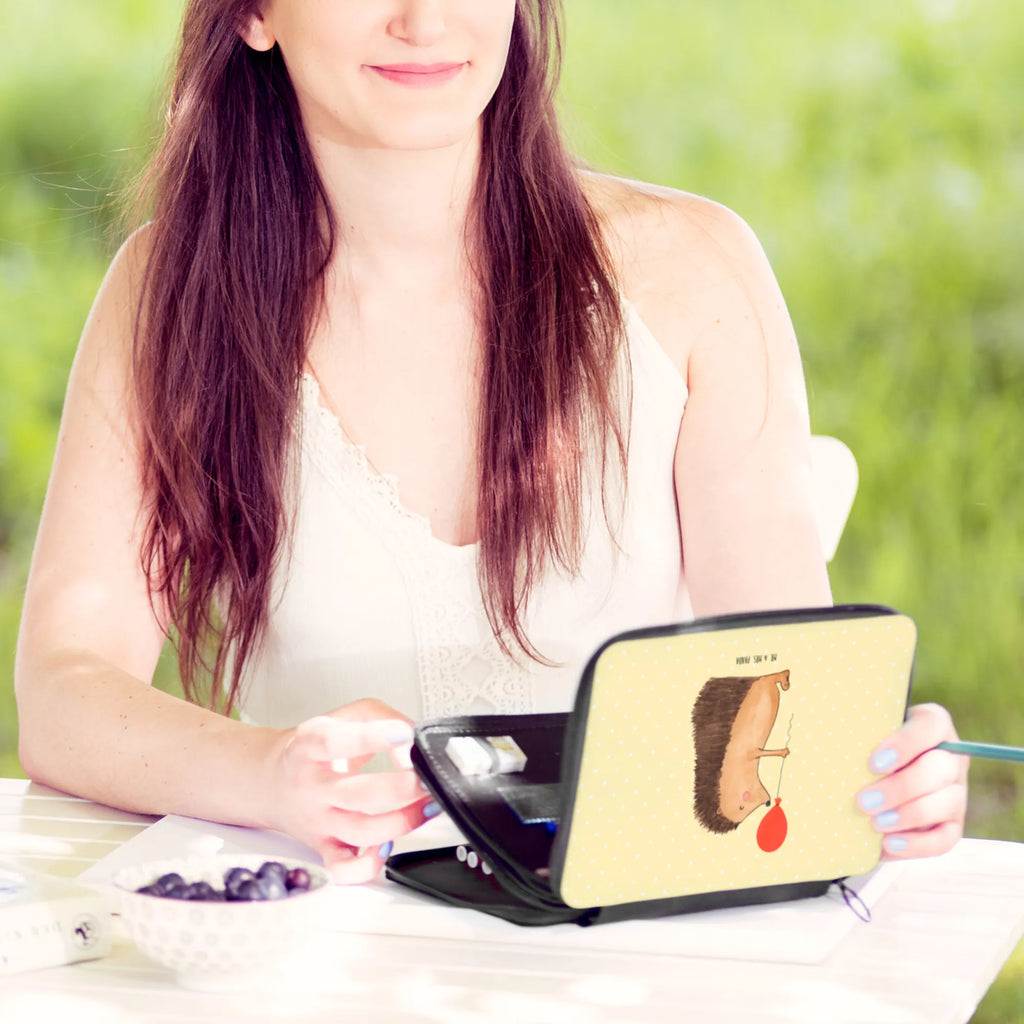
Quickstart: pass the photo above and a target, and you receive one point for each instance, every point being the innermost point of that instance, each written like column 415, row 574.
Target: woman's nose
column 419, row 22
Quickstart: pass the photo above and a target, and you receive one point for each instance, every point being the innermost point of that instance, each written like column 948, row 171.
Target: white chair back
column 834, row 476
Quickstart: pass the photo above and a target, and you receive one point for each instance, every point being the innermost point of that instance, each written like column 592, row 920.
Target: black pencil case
column 614, row 816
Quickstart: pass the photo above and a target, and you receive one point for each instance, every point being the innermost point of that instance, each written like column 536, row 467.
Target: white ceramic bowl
column 217, row 945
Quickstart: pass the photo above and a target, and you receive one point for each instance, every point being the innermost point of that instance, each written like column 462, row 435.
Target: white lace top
column 371, row 604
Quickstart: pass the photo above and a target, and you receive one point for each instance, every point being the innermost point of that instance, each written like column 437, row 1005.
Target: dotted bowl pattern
column 195, row 936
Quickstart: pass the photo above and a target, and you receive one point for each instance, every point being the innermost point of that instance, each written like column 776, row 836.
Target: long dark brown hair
column 242, row 235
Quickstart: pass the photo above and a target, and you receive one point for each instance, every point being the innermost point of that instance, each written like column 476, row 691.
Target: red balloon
column 771, row 833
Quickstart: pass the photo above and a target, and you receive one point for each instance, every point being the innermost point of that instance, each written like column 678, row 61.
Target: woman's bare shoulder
column 100, row 378
column 124, row 279
column 104, row 351
column 687, row 263
column 112, row 317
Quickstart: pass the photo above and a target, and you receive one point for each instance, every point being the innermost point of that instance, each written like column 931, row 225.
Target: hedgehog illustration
column 732, row 719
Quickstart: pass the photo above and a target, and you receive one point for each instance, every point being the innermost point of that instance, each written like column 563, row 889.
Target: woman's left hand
column 920, row 801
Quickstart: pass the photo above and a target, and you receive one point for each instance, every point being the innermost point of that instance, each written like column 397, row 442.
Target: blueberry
column 234, row 877
column 247, row 890
column 199, row 891
column 168, row 881
column 273, row 881
column 272, row 887
column 273, row 868
column 298, row 880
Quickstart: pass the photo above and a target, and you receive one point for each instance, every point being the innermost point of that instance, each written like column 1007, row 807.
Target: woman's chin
column 429, row 133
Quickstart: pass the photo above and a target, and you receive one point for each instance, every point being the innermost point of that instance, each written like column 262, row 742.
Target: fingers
column 330, row 739
column 918, row 827
column 357, row 829
column 351, row 817
column 930, row 773
column 368, row 709
column 350, row 866
column 374, row 808
column 401, row 756
column 927, row 843
column 921, row 803
column 361, row 814
column 376, row 792
column 368, row 840
column 927, row 726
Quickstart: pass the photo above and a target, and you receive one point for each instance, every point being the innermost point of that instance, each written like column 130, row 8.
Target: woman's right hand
column 321, row 798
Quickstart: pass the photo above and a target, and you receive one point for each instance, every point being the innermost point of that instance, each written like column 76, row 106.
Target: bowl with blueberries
column 218, row 921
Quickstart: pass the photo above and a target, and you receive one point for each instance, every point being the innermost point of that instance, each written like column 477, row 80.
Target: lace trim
column 461, row 667
column 332, row 440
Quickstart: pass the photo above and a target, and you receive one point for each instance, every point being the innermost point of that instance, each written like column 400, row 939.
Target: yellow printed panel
column 762, row 791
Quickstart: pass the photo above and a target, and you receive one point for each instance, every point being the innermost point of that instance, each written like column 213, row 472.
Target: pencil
column 992, row 751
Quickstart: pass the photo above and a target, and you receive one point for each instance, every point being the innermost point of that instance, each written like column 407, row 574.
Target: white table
column 938, row 939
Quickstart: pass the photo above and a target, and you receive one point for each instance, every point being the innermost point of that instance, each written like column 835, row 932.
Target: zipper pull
column 854, row 902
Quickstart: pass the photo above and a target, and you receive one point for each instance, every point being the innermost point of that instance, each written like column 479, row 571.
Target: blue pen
column 992, row 751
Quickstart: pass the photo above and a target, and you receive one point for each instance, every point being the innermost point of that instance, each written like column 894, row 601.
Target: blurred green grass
column 878, row 151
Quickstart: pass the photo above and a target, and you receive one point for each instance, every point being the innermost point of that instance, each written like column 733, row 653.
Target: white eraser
column 490, row 755
column 510, row 755
column 468, row 755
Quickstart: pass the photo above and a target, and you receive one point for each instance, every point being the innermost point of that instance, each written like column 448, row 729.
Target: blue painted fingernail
column 887, row 819
column 884, row 760
column 431, row 810
column 895, row 844
column 385, row 850
column 871, row 799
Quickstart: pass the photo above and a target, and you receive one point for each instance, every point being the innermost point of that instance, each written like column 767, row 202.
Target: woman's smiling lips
column 418, row 76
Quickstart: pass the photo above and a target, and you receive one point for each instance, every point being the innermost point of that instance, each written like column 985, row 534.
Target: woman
column 372, row 261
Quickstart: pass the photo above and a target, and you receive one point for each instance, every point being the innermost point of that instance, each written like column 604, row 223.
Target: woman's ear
column 256, row 33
